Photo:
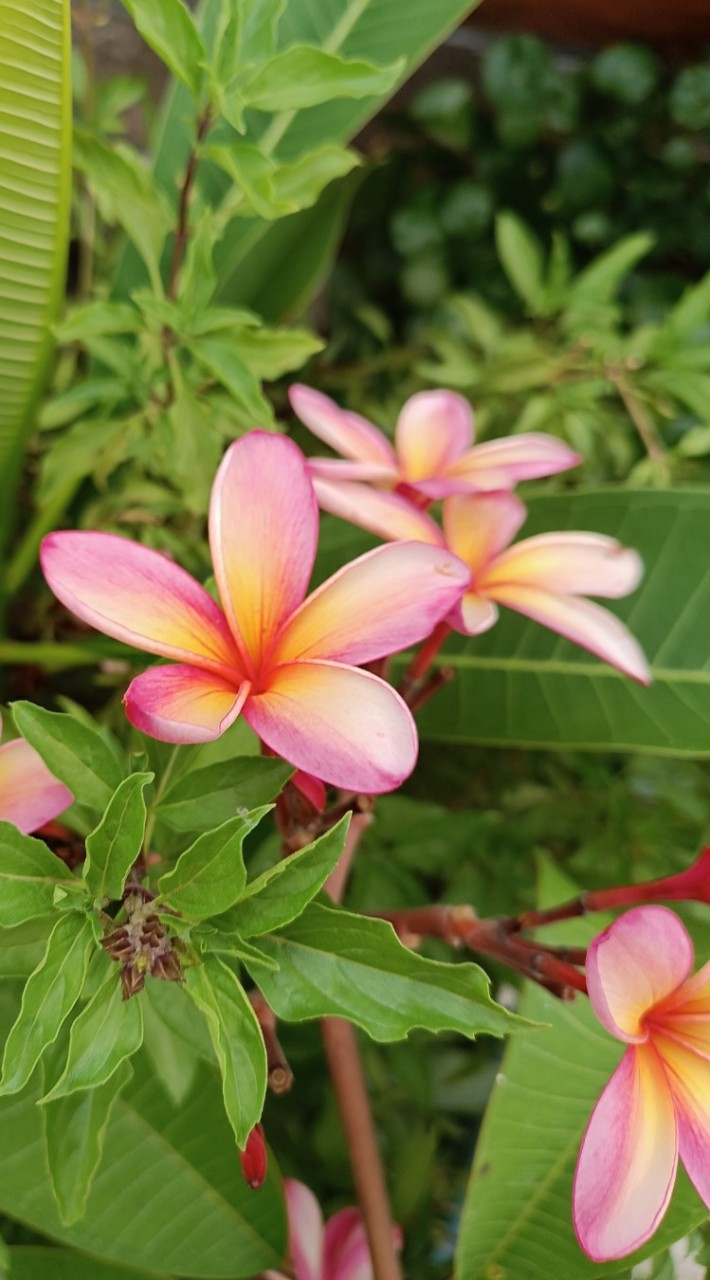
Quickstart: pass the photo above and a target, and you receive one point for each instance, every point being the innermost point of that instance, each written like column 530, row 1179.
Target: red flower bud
column 254, row 1158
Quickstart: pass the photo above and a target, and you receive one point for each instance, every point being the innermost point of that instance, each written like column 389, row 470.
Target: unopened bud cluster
column 142, row 946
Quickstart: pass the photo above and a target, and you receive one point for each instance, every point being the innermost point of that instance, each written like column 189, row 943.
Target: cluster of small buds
column 142, row 946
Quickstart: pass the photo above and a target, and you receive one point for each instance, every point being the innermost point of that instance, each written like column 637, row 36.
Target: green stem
column 48, row 654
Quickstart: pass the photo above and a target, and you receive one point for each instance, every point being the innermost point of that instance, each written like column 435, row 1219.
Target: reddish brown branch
column 280, row 1075
column 182, row 229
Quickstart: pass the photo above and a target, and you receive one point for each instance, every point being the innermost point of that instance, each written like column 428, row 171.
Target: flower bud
column 254, row 1158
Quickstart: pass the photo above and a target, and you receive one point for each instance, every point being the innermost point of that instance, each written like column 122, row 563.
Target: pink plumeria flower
column 29, row 794
column 433, row 452
column 289, row 665
column 336, row 1251
column 656, row 1107
column 545, row 577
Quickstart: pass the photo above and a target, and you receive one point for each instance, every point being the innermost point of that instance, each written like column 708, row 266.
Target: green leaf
column 75, row 1129
column 333, row 963
column 599, row 282
column 113, row 847
column 179, row 1163
column 279, row 895
column 47, row 1000
column 269, row 353
column 209, row 796
column 300, row 183
column 173, row 1061
column 220, row 357
column 521, row 258
column 557, row 695
column 237, row 1040
column 168, row 27
column 30, row 877
column 126, row 194
column 210, row 876
column 22, row 948
column 35, row 142
column 76, row 754
column 305, row 76
column 517, row 1217
column 107, row 1031
column 30, row 1262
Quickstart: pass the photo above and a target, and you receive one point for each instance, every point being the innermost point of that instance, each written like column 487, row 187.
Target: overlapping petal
column 183, row 704
column 381, row 603
column 346, row 432
column 479, row 528
column 582, row 564
column 139, row 596
column 628, row 1159
column 501, row 464
column 388, row 515
column 263, row 534
column 633, row 965
column 338, row 723
column 29, row 794
column 433, row 430
column 689, row 1078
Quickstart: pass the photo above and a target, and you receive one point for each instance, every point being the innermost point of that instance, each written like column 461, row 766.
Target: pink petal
column 29, row 794
column 388, row 515
column 335, row 470
column 138, row 596
column 263, row 534
column 634, row 964
column 183, row 704
column 473, row 615
column 571, row 564
column 305, row 1231
column 582, row 621
column 689, row 1080
column 347, row 1254
column 312, row 788
column 345, row 432
column 433, row 429
column 628, row 1159
column 384, row 601
column 500, row 464
column 478, row 528
column 343, row 725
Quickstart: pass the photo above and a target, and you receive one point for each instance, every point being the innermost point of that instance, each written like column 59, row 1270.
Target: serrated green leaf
column 112, row 848
column 521, row 257
column 554, row 693
column 30, row 875
column 210, row 876
column 517, row 1220
column 275, row 898
column 335, row 964
column 237, row 1040
column 168, row 27
column 209, row 796
column 75, row 753
column 304, row 76
column 107, row 1032
column 74, row 1130
column 47, row 1000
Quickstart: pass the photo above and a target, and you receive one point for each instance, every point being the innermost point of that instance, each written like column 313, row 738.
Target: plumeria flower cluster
column 337, row 1250
column 547, row 577
column 655, row 1109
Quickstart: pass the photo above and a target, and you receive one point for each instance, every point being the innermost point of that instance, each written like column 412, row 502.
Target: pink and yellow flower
column 546, row 577
column 656, row 1107
column 336, row 1251
column 433, row 453
column 289, row 665
column 29, row 794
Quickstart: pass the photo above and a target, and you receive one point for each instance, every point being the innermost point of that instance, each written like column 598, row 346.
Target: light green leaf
column 75, row 1129
column 113, row 847
column 269, row 353
column 260, row 19
column 22, row 948
column 76, row 754
column 30, row 877
column 252, row 172
column 521, row 258
column 692, row 309
column 598, row 283
column 275, row 898
column 305, row 76
column 107, row 1032
column 168, row 27
column 209, row 796
column 204, row 1222
column 47, row 1000
column 333, row 963
column 35, row 142
column 126, row 194
column 98, row 317
column 220, row 357
column 300, row 183
column 237, row 1040
column 517, row 1218
column 210, row 876
column 233, row 944
column 557, row 695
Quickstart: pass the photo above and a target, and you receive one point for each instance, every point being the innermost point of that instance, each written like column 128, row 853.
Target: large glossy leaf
column 521, row 685
column 517, row 1220
column 35, row 131
column 168, row 1194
